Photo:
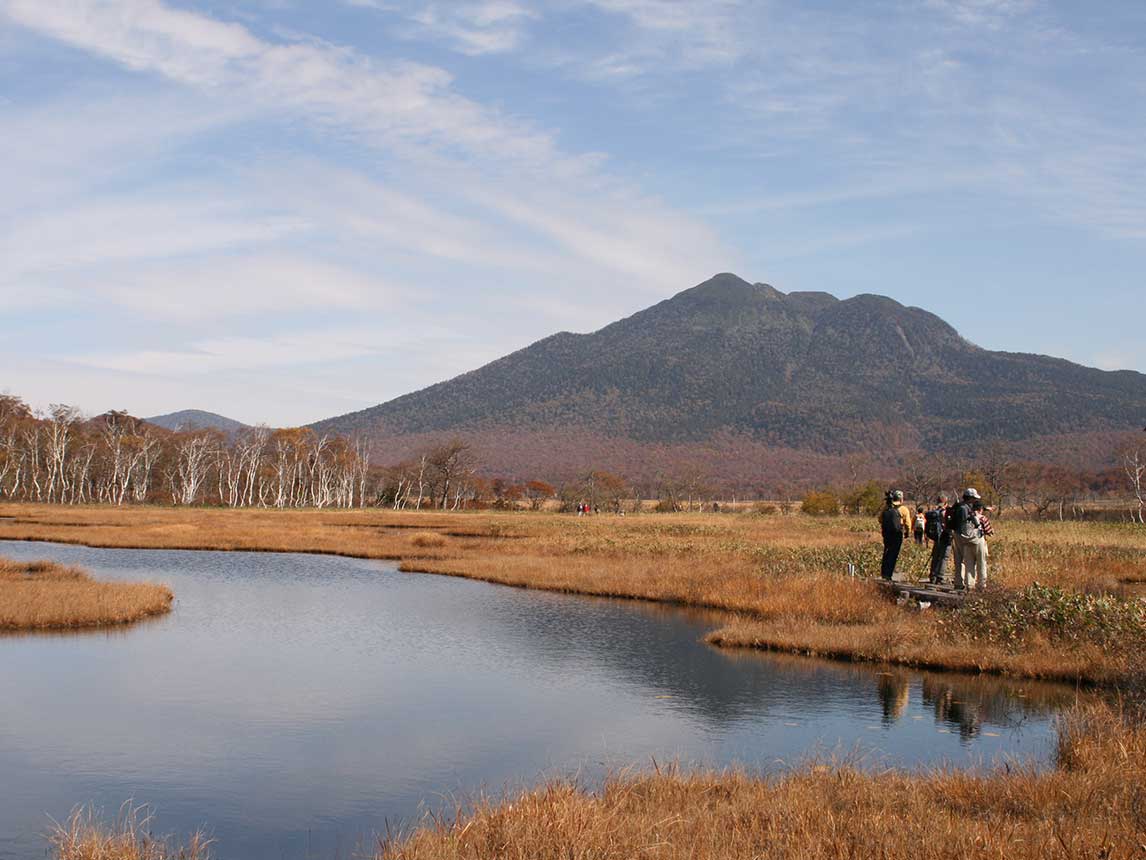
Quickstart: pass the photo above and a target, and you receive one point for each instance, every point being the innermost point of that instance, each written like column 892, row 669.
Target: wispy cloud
column 982, row 13
column 168, row 224
column 195, row 292
column 396, row 101
column 287, row 349
column 473, row 28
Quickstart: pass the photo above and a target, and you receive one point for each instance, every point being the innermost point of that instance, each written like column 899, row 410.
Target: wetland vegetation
column 1064, row 604
column 43, row 595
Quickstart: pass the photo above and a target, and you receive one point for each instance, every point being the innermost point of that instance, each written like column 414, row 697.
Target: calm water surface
column 297, row 704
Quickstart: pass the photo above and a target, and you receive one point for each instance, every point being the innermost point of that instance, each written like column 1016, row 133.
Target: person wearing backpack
column 936, row 530
column 894, row 525
column 969, row 543
column 979, row 511
column 919, row 525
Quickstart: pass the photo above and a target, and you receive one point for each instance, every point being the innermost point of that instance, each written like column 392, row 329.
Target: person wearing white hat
column 969, row 543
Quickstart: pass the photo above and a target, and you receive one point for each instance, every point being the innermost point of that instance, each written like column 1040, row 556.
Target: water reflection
column 292, row 701
column 893, row 695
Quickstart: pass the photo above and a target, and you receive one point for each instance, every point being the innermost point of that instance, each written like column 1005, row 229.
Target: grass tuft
column 84, row 837
column 43, row 595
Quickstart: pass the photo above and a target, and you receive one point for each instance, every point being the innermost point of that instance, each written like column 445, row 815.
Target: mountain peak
column 196, row 419
column 728, row 359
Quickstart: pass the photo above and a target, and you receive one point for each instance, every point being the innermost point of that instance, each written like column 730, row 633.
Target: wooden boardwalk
column 926, row 592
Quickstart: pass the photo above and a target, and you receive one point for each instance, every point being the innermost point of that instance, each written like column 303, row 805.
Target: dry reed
column 84, row 837
column 779, row 579
column 42, row 595
column 1092, row 804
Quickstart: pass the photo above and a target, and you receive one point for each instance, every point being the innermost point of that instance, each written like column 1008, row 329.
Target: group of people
column 956, row 531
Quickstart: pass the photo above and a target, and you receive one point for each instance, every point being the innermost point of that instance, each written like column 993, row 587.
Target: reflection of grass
column 779, row 579
column 41, row 595
column 1089, row 805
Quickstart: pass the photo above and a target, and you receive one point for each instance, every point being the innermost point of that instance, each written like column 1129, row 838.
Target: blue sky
column 285, row 210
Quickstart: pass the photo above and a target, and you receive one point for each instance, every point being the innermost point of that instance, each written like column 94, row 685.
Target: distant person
column 894, row 525
column 979, row 510
column 920, row 522
column 968, row 542
column 937, row 531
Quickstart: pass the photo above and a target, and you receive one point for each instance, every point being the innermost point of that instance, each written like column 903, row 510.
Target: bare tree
column 449, row 464
column 195, row 453
column 1134, row 465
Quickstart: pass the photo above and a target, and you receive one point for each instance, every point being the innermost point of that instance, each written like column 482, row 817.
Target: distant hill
column 196, row 419
column 749, row 374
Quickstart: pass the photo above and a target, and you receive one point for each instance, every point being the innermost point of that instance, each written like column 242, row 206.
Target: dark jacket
column 963, row 523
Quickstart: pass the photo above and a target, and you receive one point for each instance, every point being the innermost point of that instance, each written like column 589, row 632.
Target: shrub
column 865, row 499
column 1008, row 618
column 820, row 504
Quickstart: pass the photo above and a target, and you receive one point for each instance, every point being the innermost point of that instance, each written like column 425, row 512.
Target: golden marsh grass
column 1090, row 805
column 779, row 580
column 42, row 595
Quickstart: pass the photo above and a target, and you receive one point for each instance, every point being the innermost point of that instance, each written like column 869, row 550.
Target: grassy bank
column 42, row 595
column 777, row 579
column 1089, row 806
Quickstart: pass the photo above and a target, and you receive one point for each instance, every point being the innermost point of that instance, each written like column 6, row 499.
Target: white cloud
column 982, row 13
column 94, row 136
column 193, row 292
column 474, row 28
column 693, row 33
column 122, row 229
column 630, row 237
column 287, row 349
column 356, row 205
column 397, row 101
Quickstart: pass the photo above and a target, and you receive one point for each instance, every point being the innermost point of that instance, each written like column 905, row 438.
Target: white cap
column 971, row 493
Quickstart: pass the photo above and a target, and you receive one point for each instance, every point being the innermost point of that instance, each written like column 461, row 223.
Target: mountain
column 196, row 419
column 747, row 373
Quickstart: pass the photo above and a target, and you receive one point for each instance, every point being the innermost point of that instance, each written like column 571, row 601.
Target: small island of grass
column 43, row 595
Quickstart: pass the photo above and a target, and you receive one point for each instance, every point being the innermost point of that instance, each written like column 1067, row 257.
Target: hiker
column 894, row 525
column 920, row 521
column 967, row 539
column 937, row 531
column 979, row 511
column 904, row 513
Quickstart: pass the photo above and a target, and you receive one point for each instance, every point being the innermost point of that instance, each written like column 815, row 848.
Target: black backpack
column 890, row 522
column 933, row 524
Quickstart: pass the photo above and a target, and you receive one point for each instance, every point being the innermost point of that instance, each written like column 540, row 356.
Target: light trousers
column 970, row 562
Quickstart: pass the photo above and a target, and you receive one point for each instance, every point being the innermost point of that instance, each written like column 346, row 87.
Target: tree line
column 62, row 457
column 1030, row 488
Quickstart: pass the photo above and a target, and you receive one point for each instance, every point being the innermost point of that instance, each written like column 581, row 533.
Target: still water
column 296, row 705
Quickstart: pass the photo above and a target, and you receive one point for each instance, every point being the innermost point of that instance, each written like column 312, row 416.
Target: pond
column 297, row 705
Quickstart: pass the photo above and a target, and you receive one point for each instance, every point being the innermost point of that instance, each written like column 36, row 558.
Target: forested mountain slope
column 799, row 371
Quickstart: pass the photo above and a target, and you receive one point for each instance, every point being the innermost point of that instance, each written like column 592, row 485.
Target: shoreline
column 1087, row 805
column 46, row 597
column 804, row 609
